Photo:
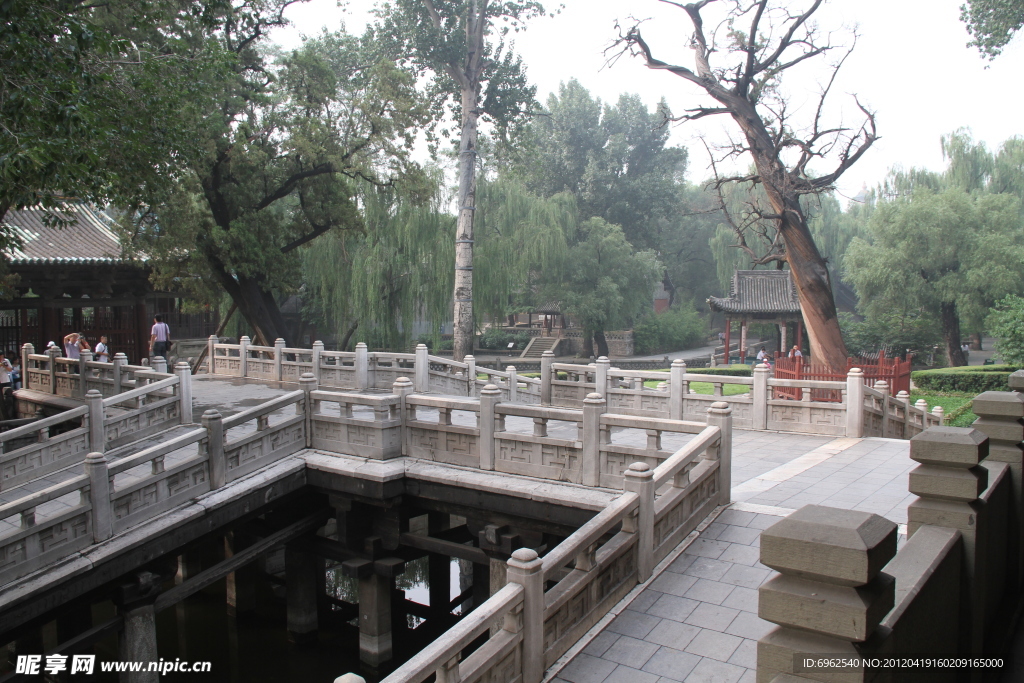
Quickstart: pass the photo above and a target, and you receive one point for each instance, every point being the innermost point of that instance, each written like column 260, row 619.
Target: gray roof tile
column 759, row 291
column 87, row 239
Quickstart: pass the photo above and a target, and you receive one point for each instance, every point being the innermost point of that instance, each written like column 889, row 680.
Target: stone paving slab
column 697, row 621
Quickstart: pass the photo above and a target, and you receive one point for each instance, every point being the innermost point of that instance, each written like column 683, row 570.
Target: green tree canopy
column 284, row 154
column 616, row 160
column 950, row 254
column 992, row 23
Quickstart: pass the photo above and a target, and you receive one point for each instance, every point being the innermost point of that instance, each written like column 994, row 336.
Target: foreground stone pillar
column 950, row 481
column 300, row 573
column 830, row 594
column 1001, row 418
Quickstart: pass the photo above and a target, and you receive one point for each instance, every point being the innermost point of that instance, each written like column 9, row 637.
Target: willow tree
column 740, row 69
column 460, row 46
column 375, row 284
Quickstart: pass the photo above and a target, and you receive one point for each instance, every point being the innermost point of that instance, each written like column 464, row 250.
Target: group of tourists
column 76, row 342
column 764, row 357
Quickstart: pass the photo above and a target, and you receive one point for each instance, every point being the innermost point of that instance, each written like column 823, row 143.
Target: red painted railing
column 894, row 371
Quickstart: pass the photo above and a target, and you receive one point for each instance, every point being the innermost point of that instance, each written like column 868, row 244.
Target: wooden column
column 743, row 341
column 728, row 338
column 800, row 335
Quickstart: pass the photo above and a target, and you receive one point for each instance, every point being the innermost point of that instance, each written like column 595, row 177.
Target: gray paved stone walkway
column 696, row 621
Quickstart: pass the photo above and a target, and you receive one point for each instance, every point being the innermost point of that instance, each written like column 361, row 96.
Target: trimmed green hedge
column 731, row 371
column 972, row 379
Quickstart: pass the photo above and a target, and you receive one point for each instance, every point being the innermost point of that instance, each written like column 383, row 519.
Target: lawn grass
column 950, row 402
column 708, row 387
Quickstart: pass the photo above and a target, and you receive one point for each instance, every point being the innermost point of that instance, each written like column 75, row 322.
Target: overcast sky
column 911, row 66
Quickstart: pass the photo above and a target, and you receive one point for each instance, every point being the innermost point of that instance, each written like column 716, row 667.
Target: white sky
column 911, row 66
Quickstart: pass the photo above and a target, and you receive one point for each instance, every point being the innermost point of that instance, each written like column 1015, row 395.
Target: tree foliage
column 614, row 158
column 992, row 23
column 373, row 285
column 949, row 254
column 98, row 101
column 285, row 153
column 1006, row 323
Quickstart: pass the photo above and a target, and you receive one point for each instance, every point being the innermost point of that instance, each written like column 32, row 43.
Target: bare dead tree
column 745, row 86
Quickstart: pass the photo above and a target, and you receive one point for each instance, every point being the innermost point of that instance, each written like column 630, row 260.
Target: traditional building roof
column 762, row 293
column 86, row 240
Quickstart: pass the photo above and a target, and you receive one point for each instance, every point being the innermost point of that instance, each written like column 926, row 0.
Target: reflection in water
column 254, row 648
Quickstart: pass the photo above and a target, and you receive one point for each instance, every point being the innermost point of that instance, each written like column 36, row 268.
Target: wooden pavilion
column 75, row 279
column 763, row 296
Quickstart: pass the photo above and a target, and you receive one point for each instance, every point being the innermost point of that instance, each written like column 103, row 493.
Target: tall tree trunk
column 951, row 334
column 463, row 331
column 343, row 346
column 810, row 274
column 602, row 343
column 257, row 306
column 588, row 344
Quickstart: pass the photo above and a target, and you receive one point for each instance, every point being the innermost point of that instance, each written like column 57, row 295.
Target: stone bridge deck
column 695, row 620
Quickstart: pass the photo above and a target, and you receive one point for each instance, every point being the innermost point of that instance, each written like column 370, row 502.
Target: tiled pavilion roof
column 759, row 292
column 86, row 240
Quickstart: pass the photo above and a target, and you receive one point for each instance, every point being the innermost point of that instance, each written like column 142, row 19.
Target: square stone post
column 309, row 406
column 213, row 423
column 97, row 433
column 422, row 369
column 759, row 397
column 362, row 367
column 402, row 387
column 54, row 354
column 720, row 415
column 26, row 351
column 211, row 368
column 639, row 478
column 601, row 375
column 375, row 639
column 318, row 347
column 243, row 355
column 278, row 357
column 184, row 373
column 546, row 359
column 526, row 569
column 159, row 364
column 120, row 360
column 1001, row 418
column 301, row 581
column 490, row 395
column 883, row 387
column 102, row 513
column 593, row 406
column 675, row 389
column 513, row 384
column 830, row 594
column 470, row 362
column 950, row 481
column 137, row 643
column 855, row 403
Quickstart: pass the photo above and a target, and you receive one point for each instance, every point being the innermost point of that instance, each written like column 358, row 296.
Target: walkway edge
column 582, row 643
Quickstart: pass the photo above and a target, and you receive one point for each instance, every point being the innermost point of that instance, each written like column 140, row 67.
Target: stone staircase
column 538, row 345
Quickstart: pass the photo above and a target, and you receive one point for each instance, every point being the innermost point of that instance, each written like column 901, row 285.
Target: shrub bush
column 676, row 329
column 1006, row 323
column 970, row 378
